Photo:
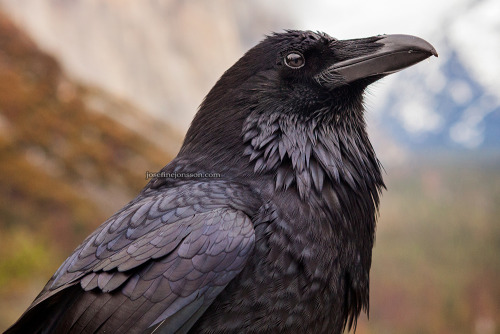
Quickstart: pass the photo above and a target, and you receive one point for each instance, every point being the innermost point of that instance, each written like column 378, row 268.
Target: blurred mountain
column 448, row 109
column 453, row 102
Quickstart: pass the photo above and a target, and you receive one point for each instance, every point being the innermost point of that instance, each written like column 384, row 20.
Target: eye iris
column 294, row 60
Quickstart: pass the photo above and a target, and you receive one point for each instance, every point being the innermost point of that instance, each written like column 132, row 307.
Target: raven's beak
column 396, row 53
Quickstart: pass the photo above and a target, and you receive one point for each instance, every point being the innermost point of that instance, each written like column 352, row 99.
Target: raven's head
column 293, row 86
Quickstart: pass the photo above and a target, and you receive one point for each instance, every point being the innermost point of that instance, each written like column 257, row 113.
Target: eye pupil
column 294, row 60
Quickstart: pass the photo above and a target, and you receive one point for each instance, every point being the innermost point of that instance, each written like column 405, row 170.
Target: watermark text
column 175, row 175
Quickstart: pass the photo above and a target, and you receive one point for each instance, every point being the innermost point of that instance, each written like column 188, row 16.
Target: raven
column 281, row 242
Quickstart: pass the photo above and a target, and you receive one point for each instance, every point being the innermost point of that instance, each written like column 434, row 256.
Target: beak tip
column 411, row 42
column 434, row 52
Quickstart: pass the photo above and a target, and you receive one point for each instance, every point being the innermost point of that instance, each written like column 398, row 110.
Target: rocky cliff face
column 163, row 56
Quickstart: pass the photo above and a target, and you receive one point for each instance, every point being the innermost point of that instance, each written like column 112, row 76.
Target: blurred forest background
column 94, row 93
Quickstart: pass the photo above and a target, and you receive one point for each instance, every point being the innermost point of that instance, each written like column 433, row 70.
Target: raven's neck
column 311, row 152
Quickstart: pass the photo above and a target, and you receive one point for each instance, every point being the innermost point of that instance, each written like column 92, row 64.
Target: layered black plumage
column 281, row 242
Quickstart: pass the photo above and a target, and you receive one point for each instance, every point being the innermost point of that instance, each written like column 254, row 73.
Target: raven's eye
column 294, row 60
